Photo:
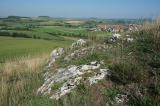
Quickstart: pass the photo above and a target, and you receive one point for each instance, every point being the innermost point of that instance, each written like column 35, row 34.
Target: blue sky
column 82, row 8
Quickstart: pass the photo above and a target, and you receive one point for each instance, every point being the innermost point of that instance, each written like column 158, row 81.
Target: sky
column 81, row 8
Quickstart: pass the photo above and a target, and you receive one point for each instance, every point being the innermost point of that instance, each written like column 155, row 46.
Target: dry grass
column 153, row 33
column 19, row 79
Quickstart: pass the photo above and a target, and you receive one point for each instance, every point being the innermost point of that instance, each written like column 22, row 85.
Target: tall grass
column 140, row 64
column 20, row 80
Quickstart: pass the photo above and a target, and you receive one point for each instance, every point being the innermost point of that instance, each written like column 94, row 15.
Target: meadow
column 13, row 48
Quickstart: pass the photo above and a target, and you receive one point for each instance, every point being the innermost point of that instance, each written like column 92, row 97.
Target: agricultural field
column 29, row 36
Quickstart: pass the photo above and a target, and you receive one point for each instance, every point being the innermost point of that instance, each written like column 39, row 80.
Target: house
column 120, row 28
column 102, row 27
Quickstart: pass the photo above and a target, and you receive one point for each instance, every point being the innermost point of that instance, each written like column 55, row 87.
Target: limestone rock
column 99, row 76
column 56, row 53
column 71, row 75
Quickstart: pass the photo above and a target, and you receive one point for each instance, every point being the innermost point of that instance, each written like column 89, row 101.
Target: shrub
column 127, row 71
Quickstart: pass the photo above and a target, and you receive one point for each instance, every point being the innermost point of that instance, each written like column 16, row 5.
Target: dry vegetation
column 19, row 79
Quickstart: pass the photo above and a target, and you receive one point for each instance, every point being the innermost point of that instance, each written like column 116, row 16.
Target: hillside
column 118, row 70
column 124, row 72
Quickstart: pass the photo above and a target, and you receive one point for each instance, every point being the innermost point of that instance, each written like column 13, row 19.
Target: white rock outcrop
column 68, row 78
column 72, row 76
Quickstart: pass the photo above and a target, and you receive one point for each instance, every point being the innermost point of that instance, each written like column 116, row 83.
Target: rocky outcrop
column 61, row 81
column 71, row 76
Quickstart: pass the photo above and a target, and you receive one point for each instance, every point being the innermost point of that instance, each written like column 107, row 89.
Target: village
column 117, row 28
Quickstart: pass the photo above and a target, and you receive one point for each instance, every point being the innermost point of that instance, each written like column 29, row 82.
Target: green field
column 11, row 48
column 74, row 32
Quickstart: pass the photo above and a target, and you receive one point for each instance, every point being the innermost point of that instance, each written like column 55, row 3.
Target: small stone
column 117, row 36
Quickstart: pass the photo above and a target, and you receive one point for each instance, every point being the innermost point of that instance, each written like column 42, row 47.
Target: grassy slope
column 135, row 69
column 21, row 78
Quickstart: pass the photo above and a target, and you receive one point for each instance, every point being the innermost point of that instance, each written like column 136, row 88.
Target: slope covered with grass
column 134, row 74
